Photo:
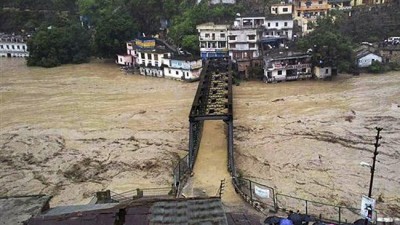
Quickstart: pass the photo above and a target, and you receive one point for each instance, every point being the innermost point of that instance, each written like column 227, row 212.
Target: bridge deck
column 211, row 166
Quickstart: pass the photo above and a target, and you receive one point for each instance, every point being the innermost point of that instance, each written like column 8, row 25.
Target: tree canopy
column 52, row 46
column 329, row 46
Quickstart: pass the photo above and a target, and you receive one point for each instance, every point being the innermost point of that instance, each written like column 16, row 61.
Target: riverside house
column 13, row 46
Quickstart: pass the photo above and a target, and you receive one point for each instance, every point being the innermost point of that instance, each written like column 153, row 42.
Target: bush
column 376, row 67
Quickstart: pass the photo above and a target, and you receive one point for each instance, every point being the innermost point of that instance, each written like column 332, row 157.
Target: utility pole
column 377, row 138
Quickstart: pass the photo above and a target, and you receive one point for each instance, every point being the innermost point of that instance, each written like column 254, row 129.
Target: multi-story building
column 243, row 39
column 13, row 46
column 278, row 26
column 182, row 67
column 213, row 40
column 283, row 66
column 157, row 60
column 307, row 11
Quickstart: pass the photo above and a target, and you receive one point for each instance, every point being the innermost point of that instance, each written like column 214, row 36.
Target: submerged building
column 286, row 66
column 13, row 46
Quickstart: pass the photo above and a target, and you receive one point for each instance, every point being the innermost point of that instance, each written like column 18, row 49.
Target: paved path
column 211, row 166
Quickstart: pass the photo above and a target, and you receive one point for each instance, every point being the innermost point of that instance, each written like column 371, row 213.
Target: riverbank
column 84, row 128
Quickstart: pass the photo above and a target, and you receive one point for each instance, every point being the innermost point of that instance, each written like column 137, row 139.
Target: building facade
column 286, row 66
column 366, row 58
column 13, row 46
column 306, row 12
column 213, row 40
column 243, row 46
column 186, row 68
column 278, row 26
column 282, row 9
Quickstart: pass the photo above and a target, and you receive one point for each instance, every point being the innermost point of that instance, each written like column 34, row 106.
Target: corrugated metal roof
column 17, row 209
column 150, row 211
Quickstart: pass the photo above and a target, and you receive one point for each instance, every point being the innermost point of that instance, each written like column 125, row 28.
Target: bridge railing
column 263, row 198
column 259, row 195
column 181, row 173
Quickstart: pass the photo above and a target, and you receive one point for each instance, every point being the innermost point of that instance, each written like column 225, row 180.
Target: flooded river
column 73, row 130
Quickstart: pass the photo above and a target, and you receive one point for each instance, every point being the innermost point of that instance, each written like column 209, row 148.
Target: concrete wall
column 368, row 59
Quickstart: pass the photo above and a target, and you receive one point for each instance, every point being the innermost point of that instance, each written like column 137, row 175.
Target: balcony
column 203, row 38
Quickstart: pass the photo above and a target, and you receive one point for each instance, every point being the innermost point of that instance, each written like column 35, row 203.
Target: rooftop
column 148, row 211
column 279, row 55
column 17, row 209
column 279, row 17
column 185, row 57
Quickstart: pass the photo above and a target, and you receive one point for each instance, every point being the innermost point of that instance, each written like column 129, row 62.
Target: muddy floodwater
column 76, row 129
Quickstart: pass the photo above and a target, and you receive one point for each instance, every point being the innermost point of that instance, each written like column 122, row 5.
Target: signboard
column 367, row 207
column 261, row 192
column 148, row 43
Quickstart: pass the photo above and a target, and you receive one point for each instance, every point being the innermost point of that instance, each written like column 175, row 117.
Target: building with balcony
column 282, row 9
column 182, row 67
column 13, row 46
column 286, row 66
column 213, row 40
column 307, row 11
column 150, row 61
column 243, row 38
column 278, row 26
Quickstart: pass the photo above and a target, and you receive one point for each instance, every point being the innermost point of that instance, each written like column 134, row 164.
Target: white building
column 278, row 26
column 322, row 72
column 365, row 58
column 285, row 66
column 282, row 9
column 151, row 60
column 186, row 68
column 243, row 40
column 13, row 46
column 124, row 60
column 213, row 40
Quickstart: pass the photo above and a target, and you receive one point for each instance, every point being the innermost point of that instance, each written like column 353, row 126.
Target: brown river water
column 76, row 129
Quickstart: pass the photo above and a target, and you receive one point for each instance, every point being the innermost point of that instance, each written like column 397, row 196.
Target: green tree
column 111, row 34
column 53, row 46
column 191, row 44
column 330, row 47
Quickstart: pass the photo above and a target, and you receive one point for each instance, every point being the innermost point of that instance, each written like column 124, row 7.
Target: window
column 232, row 45
column 298, row 14
column 155, row 56
column 285, row 24
column 277, row 24
column 17, row 46
column 165, row 56
column 8, row 47
column 12, row 46
column 222, row 35
column 269, row 24
column 232, row 37
column 207, row 35
column 285, row 10
column 142, row 55
column 252, row 45
column 120, row 59
column 177, row 73
column 279, row 72
column 169, row 71
column 252, row 37
column 222, row 44
column 326, row 71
